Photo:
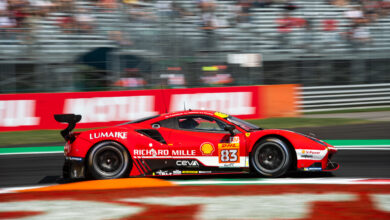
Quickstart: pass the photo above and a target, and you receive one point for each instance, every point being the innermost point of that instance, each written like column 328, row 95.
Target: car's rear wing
column 71, row 119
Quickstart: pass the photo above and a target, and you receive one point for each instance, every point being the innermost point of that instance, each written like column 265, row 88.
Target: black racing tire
column 271, row 157
column 108, row 160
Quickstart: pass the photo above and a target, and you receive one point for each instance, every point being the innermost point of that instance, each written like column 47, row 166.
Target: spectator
column 370, row 10
column 6, row 22
column 65, row 6
column 358, row 35
column 20, row 11
column 308, row 35
column 285, row 25
column 244, row 7
column 209, row 21
column 3, row 6
column 42, row 7
column 206, row 6
column 108, row 4
column 355, row 15
column 329, row 28
column 290, row 6
column 361, row 35
column 164, row 8
column 179, row 11
column 137, row 12
column 67, row 23
column 262, row 3
column 118, row 38
column 84, row 20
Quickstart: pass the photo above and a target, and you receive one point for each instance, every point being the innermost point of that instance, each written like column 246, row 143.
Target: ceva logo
column 15, row 113
column 234, row 103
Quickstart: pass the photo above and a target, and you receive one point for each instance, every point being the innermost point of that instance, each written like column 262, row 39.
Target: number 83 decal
column 229, row 155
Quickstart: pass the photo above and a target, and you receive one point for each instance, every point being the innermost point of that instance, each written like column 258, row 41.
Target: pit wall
column 33, row 111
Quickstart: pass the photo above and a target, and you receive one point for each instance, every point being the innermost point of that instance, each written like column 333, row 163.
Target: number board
column 229, row 152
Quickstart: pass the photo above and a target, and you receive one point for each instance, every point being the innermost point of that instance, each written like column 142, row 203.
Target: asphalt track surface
column 28, row 170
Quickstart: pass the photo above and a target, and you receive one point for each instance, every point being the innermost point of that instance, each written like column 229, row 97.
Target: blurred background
column 69, row 45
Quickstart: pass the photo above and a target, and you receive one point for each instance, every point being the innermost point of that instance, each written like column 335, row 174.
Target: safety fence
column 344, row 97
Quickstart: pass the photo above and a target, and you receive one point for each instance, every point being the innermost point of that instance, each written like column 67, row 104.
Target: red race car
column 189, row 142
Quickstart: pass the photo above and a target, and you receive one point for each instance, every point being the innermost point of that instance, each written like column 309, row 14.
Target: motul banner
column 36, row 110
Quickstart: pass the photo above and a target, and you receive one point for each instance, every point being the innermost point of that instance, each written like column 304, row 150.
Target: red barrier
column 35, row 111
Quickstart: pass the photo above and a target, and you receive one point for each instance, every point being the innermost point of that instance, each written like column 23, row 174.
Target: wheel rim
column 270, row 157
column 108, row 161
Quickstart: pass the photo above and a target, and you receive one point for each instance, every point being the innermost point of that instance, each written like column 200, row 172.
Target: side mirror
column 229, row 128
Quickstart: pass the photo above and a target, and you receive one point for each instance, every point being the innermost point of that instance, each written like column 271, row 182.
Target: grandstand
column 50, row 52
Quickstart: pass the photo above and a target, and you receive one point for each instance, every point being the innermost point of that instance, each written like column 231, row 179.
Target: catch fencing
column 344, row 97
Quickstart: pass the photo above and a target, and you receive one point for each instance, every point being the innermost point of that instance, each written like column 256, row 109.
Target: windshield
column 243, row 124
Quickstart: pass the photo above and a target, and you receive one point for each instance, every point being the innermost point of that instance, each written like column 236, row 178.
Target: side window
column 167, row 123
column 203, row 123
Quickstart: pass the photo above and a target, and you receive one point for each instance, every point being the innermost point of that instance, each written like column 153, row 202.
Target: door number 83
column 229, row 156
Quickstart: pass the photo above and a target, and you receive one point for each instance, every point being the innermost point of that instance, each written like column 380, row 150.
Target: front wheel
column 108, row 160
column 271, row 157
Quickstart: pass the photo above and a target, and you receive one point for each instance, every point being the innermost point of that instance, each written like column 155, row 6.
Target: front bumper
column 317, row 160
column 74, row 168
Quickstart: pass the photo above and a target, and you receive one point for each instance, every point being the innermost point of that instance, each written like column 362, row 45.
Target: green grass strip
column 15, row 150
column 358, row 142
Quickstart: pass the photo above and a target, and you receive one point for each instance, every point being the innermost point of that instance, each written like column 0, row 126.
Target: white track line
column 15, row 189
column 27, row 153
column 363, row 147
column 338, row 181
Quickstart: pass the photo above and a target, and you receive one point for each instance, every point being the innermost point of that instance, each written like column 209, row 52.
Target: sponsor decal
column 307, row 154
column 205, row 171
column 207, row 148
column 189, row 172
column 227, row 165
column 167, row 172
column 247, row 134
column 311, row 152
column 74, row 158
column 228, row 145
column 103, row 109
column 176, row 172
column 235, row 140
column 108, row 134
column 15, row 113
column 183, row 152
column 164, row 173
column 162, row 152
column 312, row 169
column 229, row 153
column 150, row 152
column 220, row 114
column 234, row 103
column 187, row 163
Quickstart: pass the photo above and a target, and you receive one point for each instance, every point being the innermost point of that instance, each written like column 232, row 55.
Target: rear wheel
column 108, row 160
column 271, row 157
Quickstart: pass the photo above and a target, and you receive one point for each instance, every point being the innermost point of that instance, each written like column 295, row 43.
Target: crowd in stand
column 19, row 15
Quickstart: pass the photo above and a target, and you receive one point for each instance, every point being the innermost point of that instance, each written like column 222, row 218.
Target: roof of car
column 189, row 112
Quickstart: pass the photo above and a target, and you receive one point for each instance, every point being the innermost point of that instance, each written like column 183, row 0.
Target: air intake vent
column 152, row 134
